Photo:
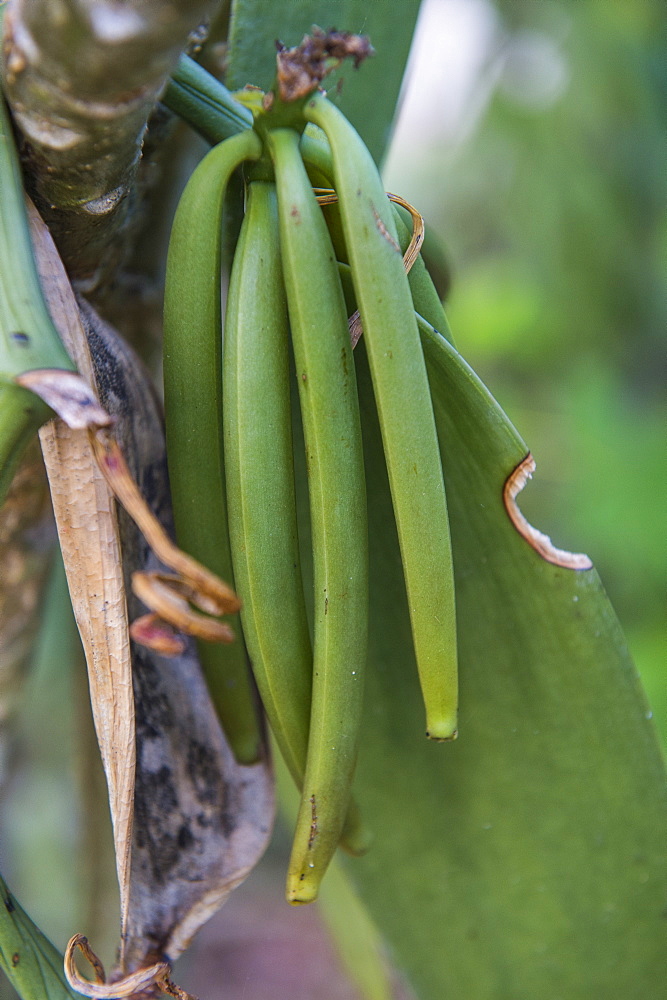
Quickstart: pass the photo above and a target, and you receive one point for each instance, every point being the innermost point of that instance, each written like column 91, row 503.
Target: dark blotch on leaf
column 185, row 838
column 203, row 771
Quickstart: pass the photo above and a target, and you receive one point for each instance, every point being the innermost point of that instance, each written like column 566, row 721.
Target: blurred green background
column 533, row 140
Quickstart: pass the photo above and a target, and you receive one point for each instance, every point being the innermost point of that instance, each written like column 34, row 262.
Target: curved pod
column 193, row 407
column 260, row 479
column 402, row 396
column 337, row 497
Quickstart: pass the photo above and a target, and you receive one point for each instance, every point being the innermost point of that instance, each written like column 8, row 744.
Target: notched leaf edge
column 542, row 544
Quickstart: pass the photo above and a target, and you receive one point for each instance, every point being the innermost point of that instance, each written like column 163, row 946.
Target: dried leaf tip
column 68, row 395
column 301, row 69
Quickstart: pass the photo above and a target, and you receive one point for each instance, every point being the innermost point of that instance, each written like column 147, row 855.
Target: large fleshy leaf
column 32, row 964
column 527, row 858
column 368, row 97
column 358, row 942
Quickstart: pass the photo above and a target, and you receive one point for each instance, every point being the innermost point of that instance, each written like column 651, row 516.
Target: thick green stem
column 204, row 103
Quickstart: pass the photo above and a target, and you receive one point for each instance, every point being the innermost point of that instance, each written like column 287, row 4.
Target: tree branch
column 82, row 77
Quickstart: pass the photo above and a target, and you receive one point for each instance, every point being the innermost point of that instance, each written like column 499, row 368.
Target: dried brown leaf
column 86, row 518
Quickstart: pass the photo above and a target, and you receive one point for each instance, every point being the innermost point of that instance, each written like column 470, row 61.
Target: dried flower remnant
column 302, row 68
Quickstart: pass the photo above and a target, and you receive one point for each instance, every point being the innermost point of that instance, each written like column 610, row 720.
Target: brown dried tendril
column 128, row 986
column 326, row 196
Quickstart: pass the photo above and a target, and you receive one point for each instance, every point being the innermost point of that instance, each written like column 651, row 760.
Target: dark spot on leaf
column 16, row 958
column 185, row 838
column 159, row 786
column 20, row 338
column 228, row 822
column 154, row 714
column 203, row 771
column 313, row 822
column 9, row 904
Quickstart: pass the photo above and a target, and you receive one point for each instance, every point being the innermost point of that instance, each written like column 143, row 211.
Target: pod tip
column 247, row 748
column 301, row 888
column 442, row 729
column 357, row 841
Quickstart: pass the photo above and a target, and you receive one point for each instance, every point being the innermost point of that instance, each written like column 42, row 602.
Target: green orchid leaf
column 527, row 858
column 357, row 939
column 368, row 96
column 31, row 963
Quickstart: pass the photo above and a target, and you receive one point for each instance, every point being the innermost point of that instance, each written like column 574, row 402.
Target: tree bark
column 82, row 78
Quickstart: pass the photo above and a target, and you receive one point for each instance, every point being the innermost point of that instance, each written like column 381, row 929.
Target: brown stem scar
column 382, row 229
column 313, row 822
column 542, row 544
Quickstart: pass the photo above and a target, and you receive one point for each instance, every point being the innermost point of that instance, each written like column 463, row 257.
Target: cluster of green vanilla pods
column 230, row 443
